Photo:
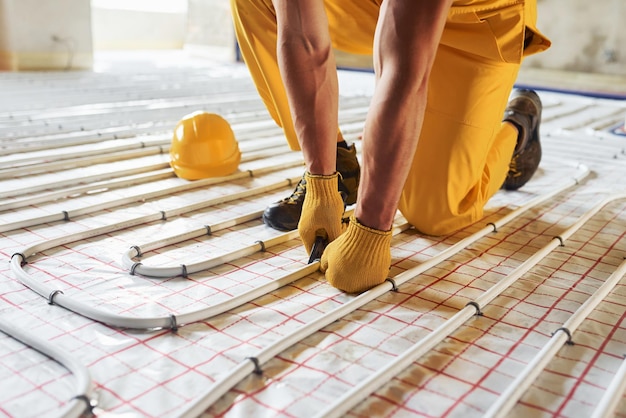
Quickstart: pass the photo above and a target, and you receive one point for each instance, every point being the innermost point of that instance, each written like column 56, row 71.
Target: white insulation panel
column 85, row 189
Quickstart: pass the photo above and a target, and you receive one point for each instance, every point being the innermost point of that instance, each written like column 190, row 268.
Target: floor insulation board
column 132, row 293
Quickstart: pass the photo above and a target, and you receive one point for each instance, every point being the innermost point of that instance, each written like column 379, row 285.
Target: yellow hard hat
column 203, row 146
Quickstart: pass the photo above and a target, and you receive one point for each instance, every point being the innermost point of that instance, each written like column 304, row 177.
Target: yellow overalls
column 464, row 149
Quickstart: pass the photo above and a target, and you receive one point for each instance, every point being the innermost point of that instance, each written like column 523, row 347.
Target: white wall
column 139, row 24
column 45, row 34
column 210, row 29
column 587, row 36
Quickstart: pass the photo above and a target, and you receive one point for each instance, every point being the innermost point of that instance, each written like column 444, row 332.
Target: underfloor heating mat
column 129, row 292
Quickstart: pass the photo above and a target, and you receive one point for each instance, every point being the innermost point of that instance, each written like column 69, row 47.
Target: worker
column 443, row 132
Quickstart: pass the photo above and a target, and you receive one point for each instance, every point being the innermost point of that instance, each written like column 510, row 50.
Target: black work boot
column 524, row 111
column 284, row 215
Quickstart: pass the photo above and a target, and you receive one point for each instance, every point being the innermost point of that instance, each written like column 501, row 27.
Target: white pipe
column 20, row 167
column 87, row 179
column 81, row 162
column 172, row 321
column 107, row 229
column 12, row 143
column 149, row 141
column 583, row 172
column 613, row 395
column 30, row 140
column 264, row 148
column 100, row 108
column 77, row 405
column 507, row 400
column 246, row 127
column 219, row 388
column 24, row 161
column 67, row 215
column 351, row 398
column 91, row 187
column 57, row 297
column 102, row 186
column 43, row 129
column 155, row 134
column 185, row 269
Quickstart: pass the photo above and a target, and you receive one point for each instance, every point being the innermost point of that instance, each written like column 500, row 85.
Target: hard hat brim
column 225, row 168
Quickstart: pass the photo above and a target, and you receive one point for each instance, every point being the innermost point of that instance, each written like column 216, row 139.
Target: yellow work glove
column 359, row 259
column 321, row 211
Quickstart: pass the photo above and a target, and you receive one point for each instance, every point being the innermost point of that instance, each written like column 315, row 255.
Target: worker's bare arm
column 307, row 66
column 406, row 41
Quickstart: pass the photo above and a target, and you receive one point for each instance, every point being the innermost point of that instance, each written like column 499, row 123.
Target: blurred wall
column 210, row 29
column 59, row 34
column 45, row 34
column 587, row 36
column 125, row 27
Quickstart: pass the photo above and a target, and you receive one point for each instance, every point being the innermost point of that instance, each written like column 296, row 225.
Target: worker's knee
column 432, row 216
column 438, row 224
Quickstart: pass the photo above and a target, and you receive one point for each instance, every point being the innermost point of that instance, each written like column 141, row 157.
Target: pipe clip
column 52, row 295
column 137, row 250
column 173, row 323
column 568, row 333
column 22, row 261
column 90, row 404
column 476, row 306
column 133, row 268
column 257, row 365
column 394, row 287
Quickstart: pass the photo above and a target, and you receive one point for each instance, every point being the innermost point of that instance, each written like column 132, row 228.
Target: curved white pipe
column 57, row 297
column 81, row 402
column 185, row 269
column 252, row 364
column 152, row 217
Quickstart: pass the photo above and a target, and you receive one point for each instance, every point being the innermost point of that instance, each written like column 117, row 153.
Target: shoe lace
column 298, row 193
column 513, row 169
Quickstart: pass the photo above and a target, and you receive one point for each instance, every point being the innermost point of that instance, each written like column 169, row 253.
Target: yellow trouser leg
column 463, row 153
column 255, row 27
column 464, row 149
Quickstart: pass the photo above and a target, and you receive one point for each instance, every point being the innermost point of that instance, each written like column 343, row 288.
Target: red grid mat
column 158, row 373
